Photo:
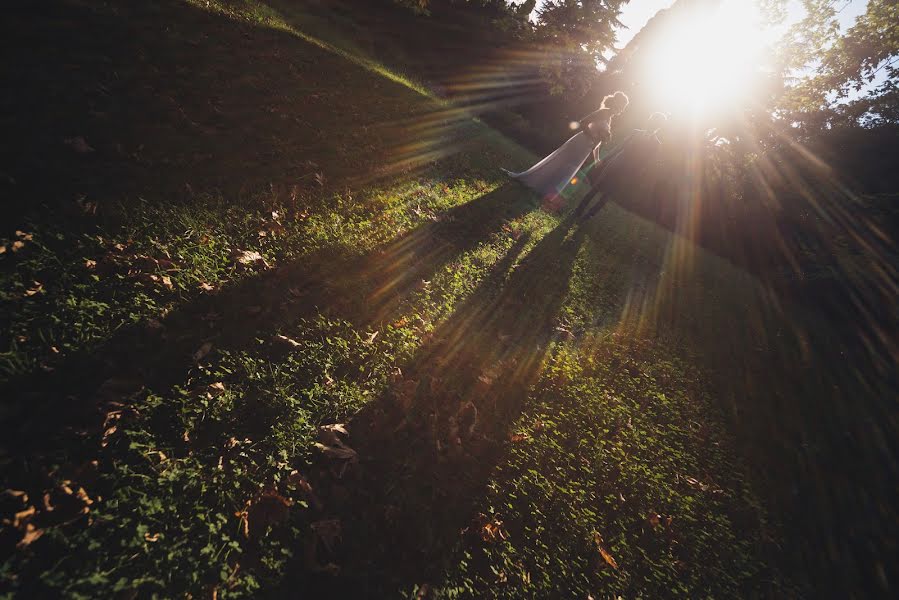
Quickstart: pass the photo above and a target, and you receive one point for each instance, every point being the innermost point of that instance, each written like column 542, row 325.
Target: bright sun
column 704, row 62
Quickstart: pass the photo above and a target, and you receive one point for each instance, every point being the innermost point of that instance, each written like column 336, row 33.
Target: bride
column 552, row 174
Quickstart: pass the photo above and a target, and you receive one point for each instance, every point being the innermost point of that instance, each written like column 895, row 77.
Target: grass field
column 234, row 231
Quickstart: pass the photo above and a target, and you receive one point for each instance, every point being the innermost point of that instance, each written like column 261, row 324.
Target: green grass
column 622, row 442
column 513, row 383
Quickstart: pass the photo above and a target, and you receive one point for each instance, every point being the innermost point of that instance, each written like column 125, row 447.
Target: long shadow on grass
column 55, row 416
column 428, row 445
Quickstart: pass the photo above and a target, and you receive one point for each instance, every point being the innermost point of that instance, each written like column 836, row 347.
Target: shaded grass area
column 619, row 479
column 170, row 385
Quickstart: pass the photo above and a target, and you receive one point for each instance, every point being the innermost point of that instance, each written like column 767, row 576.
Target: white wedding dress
column 550, row 176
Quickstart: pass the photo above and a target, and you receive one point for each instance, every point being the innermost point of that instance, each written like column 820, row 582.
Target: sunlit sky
column 636, row 13
column 685, row 73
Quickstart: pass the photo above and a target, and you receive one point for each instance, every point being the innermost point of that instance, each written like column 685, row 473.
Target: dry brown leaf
column 287, row 341
column 268, row 509
column 404, row 392
column 90, row 265
column 79, row 145
column 330, row 434
column 207, row 287
column 23, row 515
column 489, row 529
column 603, row 551
column 467, row 418
column 17, row 245
column 518, row 437
column 20, row 494
column 151, row 538
column 339, row 452
column 202, row 351
column 249, row 258
column 216, row 389
column 31, row 535
column 36, row 287
column 166, row 282
column 104, row 441
column 24, row 236
column 328, row 531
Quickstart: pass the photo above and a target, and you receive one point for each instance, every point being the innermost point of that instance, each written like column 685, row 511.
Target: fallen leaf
column 339, row 452
column 166, row 282
column 467, row 418
column 23, row 515
column 202, row 351
column 27, row 237
column 489, row 529
column 17, row 245
column 603, row 551
column 298, row 482
column 20, row 494
column 31, row 535
column 518, row 437
column 36, row 287
column 283, row 339
column 249, row 258
column 328, row 531
column 404, row 393
column 104, row 441
column 268, row 509
column 151, row 538
column 329, row 434
column 216, row 389
column 90, row 264
column 207, row 287
column 79, row 145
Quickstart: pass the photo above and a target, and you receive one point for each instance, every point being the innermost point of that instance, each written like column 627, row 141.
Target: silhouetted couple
column 617, row 174
column 628, row 171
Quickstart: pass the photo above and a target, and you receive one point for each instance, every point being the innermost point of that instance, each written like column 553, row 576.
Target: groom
column 626, row 170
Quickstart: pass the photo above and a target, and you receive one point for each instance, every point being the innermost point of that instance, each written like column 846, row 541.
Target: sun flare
column 705, row 61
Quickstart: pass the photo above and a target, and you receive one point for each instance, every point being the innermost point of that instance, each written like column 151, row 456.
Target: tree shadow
column 53, row 410
column 427, row 447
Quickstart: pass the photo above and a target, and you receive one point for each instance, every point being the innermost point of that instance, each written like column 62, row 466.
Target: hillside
column 275, row 322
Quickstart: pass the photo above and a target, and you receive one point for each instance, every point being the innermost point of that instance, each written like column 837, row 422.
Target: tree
column 830, row 69
column 575, row 34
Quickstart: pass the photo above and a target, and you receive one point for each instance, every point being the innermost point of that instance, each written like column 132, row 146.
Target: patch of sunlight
column 260, row 13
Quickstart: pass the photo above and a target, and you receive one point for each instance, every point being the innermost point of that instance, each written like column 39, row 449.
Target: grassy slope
column 421, row 298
